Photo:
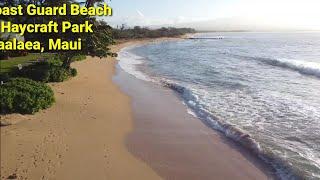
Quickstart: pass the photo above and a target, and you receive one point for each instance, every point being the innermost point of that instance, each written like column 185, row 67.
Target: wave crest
column 128, row 61
column 303, row 67
column 280, row 166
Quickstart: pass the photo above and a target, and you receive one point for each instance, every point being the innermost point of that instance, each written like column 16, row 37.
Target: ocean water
column 262, row 90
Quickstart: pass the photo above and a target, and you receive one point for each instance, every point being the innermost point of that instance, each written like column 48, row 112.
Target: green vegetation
column 58, row 74
column 22, row 95
column 78, row 58
column 139, row 32
column 25, row 96
column 45, row 67
column 3, row 54
column 8, row 65
column 74, row 72
column 11, row 64
column 93, row 44
column 45, row 71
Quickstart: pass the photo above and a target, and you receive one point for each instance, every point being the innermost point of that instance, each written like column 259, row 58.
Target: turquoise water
column 259, row 89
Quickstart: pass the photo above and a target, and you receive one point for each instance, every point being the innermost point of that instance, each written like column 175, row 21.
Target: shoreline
column 167, row 149
column 93, row 121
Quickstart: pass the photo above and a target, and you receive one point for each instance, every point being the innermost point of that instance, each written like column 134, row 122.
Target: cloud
column 239, row 15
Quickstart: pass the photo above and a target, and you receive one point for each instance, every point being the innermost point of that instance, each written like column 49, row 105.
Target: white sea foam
column 301, row 66
column 129, row 61
column 304, row 67
column 190, row 99
column 201, row 100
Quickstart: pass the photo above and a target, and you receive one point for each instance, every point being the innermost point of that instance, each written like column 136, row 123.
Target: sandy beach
column 98, row 129
column 80, row 137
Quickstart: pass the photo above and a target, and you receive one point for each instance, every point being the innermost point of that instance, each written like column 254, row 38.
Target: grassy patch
column 8, row 65
column 44, row 71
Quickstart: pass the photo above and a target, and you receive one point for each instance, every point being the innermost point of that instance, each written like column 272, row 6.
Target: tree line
column 94, row 44
column 144, row 32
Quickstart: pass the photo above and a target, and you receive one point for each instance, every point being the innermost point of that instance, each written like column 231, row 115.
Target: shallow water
column 266, row 85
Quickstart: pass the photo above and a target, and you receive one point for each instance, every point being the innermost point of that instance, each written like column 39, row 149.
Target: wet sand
column 176, row 144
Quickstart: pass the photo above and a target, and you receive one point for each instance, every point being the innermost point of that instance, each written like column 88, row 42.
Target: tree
column 3, row 54
column 94, row 44
column 90, row 3
column 143, row 32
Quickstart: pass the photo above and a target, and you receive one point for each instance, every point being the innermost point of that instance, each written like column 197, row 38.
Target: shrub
column 45, row 72
column 38, row 71
column 73, row 72
column 25, row 96
column 58, row 74
column 55, row 60
column 78, row 58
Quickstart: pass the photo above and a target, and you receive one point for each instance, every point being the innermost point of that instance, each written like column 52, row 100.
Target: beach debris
column 20, row 66
column 13, row 176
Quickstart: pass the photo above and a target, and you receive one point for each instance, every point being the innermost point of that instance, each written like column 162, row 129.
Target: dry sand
column 85, row 136
column 80, row 137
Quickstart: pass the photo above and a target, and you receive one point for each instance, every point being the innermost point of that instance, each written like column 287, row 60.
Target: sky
column 218, row 14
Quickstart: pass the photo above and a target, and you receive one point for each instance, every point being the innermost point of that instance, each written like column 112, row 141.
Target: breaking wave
column 128, row 62
column 282, row 169
column 303, row 67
